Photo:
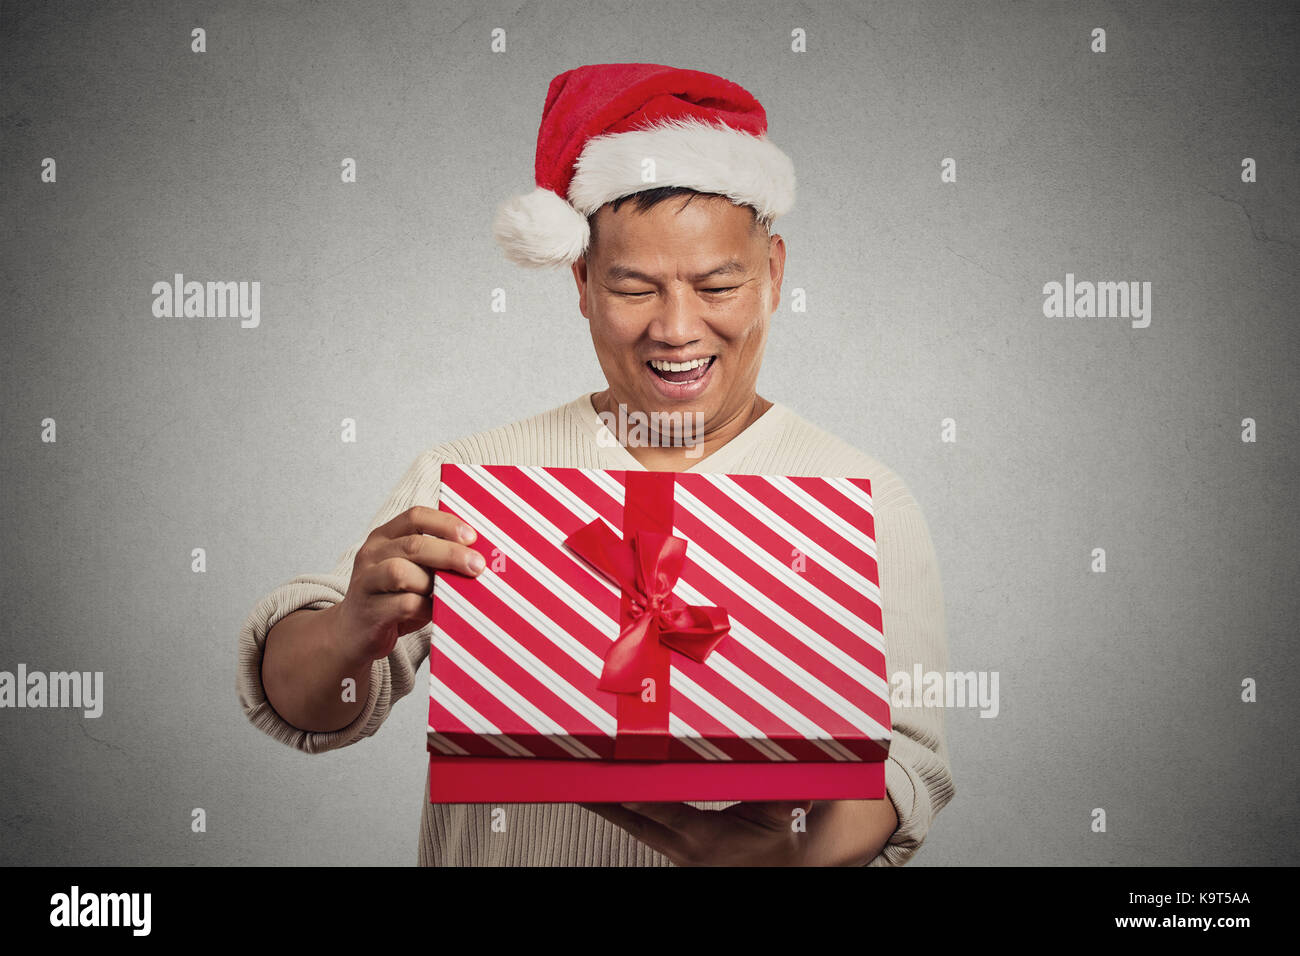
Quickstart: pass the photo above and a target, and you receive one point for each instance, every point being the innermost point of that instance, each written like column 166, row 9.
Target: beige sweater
column 917, row 775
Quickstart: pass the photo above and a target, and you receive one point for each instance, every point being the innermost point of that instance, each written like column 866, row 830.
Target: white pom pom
column 540, row 229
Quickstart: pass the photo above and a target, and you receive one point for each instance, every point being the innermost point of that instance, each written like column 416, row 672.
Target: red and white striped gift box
column 792, row 703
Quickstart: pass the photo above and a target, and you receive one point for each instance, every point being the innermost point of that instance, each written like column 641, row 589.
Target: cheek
column 749, row 325
column 615, row 343
column 619, row 332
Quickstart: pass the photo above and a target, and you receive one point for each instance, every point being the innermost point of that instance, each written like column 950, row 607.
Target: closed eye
column 716, row 291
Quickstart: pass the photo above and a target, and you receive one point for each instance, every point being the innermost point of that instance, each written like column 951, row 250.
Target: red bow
column 646, row 569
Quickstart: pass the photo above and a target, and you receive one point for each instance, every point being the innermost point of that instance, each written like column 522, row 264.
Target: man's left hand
column 832, row 832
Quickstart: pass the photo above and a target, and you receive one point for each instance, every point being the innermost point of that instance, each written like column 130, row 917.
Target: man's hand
column 832, row 832
column 309, row 655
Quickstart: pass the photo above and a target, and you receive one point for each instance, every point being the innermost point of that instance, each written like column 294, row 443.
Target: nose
column 677, row 320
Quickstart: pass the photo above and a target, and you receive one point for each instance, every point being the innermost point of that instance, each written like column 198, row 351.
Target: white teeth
column 680, row 366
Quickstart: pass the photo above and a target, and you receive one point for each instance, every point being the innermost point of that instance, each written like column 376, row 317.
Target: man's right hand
column 391, row 590
column 316, row 667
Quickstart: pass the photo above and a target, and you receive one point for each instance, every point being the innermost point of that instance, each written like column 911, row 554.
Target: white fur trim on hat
column 540, row 229
column 687, row 152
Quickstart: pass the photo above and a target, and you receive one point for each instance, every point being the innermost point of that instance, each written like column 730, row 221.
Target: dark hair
column 649, row 198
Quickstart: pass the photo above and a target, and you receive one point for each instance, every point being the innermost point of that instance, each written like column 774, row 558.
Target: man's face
column 679, row 282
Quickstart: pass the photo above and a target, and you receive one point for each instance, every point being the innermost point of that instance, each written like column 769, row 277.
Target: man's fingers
column 776, row 813
column 648, row 831
column 678, row 817
column 421, row 519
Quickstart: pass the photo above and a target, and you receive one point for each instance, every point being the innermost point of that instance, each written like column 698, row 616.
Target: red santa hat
column 603, row 121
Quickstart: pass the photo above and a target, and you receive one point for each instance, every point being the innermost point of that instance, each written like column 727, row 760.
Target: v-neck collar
column 717, row 462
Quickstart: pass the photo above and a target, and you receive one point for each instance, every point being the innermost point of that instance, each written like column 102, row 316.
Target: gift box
column 643, row 635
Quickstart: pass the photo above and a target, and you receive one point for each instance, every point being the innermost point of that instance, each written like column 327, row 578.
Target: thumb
column 778, row 812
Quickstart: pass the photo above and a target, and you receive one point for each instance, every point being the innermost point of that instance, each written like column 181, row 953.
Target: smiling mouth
column 682, row 376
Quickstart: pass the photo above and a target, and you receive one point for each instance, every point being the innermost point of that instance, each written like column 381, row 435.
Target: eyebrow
column 730, row 267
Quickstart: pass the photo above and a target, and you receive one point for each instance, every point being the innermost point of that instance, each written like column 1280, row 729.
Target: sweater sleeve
column 391, row 677
column 918, row 779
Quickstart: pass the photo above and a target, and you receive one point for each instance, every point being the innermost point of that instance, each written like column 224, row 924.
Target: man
column 678, row 275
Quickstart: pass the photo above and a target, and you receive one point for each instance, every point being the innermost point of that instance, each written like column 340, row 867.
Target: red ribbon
column 646, row 564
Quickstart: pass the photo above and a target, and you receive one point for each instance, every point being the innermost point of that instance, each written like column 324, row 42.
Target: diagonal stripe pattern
column 517, row 651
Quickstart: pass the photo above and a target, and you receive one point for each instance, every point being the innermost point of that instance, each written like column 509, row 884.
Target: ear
column 579, row 268
column 776, row 267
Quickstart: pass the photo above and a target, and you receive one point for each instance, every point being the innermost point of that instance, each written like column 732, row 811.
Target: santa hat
column 603, row 121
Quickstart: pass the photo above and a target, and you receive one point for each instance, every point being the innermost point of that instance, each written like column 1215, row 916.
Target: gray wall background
column 1118, row 690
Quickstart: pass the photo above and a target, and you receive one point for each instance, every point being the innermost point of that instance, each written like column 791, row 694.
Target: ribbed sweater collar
column 768, row 425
